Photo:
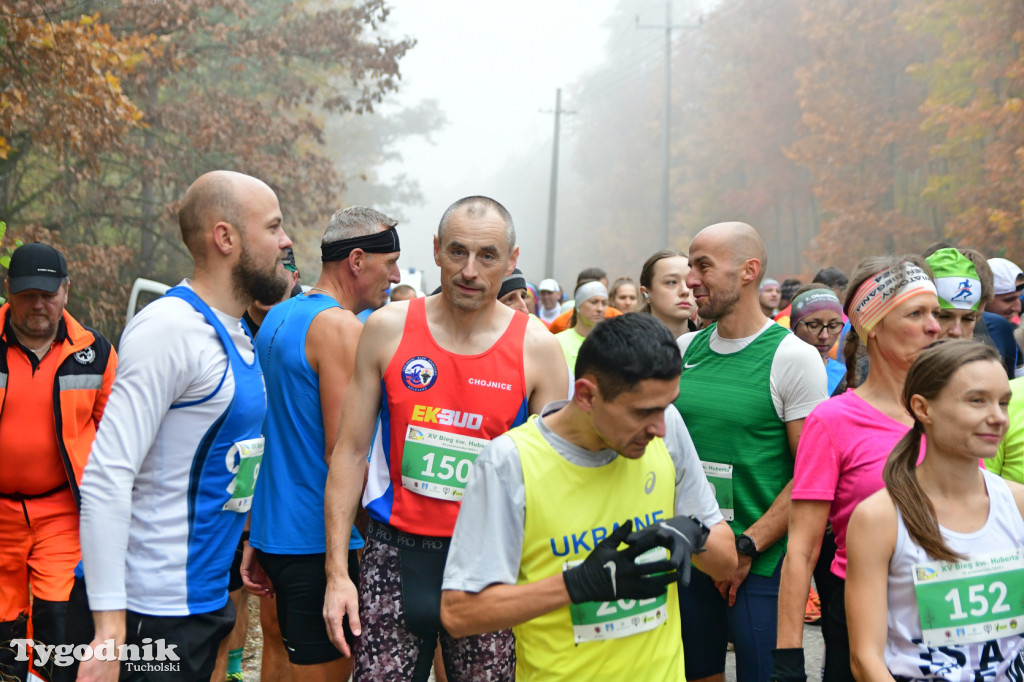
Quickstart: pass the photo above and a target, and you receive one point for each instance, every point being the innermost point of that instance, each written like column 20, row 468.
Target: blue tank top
column 288, row 507
column 219, row 496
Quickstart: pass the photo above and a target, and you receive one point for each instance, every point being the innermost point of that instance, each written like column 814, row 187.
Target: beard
column 722, row 304
column 249, row 281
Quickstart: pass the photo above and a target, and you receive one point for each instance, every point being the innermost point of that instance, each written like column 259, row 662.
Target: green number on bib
column 595, row 621
column 437, row 463
column 720, row 477
column 970, row 601
column 246, row 471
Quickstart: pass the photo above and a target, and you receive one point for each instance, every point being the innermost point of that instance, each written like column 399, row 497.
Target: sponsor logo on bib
column 419, row 373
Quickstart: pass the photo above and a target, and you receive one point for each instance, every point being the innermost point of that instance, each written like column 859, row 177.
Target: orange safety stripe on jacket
column 85, row 374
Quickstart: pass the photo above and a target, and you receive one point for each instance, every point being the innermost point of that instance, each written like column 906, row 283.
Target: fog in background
column 493, row 69
column 839, row 130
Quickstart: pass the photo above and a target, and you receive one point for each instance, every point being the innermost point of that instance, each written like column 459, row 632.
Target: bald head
column 737, row 242
column 217, row 196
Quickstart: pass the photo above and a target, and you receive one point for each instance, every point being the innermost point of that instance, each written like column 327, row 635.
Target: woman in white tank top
column 935, row 574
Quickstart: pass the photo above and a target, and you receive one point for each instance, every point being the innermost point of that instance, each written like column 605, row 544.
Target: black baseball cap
column 36, row 266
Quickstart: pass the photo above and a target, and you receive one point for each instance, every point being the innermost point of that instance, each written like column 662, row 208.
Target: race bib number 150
column 437, row 463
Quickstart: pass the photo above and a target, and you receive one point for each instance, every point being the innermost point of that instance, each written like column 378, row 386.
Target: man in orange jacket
column 55, row 377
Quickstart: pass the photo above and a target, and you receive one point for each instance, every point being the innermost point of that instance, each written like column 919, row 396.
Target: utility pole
column 666, row 116
column 549, row 256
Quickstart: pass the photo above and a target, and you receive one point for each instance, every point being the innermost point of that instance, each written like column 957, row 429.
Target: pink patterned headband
column 879, row 294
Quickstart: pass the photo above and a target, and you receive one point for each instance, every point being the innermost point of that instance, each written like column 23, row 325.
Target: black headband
column 385, row 241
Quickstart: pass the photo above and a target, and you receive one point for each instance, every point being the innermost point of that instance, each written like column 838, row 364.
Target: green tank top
column 726, row 402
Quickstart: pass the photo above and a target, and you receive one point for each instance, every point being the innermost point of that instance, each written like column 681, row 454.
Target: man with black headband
column 307, row 348
column 450, row 372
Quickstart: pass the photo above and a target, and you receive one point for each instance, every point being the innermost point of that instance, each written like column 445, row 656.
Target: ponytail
column 900, row 477
column 851, row 346
column 927, row 378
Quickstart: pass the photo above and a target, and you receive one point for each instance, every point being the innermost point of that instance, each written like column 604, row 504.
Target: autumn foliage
column 839, row 129
column 110, row 109
column 63, row 92
column 975, row 115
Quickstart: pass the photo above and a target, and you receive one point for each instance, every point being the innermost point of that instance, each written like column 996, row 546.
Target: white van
column 144, row 292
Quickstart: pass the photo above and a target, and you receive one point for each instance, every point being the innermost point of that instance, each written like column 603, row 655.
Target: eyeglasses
column 815, row 327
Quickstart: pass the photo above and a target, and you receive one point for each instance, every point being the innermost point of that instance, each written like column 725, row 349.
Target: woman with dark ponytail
column 891, row 304
column 935, row 580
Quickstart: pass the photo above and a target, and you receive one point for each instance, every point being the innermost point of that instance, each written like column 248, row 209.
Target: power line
column 666, row 120
column 549, row 256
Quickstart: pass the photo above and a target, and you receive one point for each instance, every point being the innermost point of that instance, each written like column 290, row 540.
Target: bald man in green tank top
column 746, row 387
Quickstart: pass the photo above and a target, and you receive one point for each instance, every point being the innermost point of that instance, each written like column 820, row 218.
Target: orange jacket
column 561, row 323
column 85, row 373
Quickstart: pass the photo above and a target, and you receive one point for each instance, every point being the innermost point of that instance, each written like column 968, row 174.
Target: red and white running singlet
column 438, row 410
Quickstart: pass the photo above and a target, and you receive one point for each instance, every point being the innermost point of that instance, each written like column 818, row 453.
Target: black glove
column 682, row 536
column 608, row 574
column 788, row 665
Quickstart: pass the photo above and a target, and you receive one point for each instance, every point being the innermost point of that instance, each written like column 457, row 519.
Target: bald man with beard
column 746, row 387
column 170, row 478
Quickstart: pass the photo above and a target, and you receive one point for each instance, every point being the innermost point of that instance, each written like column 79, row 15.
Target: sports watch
column 745, row 545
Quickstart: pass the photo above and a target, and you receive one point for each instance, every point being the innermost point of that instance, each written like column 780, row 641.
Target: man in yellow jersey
column 615, row 458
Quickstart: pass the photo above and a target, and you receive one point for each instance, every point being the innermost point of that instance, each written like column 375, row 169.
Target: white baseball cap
column 548, row 285
column 1004, row 275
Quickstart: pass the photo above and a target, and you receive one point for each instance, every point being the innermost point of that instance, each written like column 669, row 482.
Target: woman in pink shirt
column 891, row 304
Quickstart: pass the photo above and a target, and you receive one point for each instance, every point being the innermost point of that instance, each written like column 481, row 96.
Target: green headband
column 956, row 279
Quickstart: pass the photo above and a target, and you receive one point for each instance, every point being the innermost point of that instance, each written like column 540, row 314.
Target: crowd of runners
column 503, row 481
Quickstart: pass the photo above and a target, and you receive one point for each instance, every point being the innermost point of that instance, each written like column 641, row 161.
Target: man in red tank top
column 445, row 375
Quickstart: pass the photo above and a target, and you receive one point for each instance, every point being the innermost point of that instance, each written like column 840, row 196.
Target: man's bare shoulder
column 336, row 320
column 333, row 327
column 538, row 336
column 382, row 333
column 547, row 374
column 389, row 319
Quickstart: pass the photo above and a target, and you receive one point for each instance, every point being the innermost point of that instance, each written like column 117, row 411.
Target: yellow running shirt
column 570, row 508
